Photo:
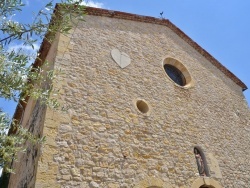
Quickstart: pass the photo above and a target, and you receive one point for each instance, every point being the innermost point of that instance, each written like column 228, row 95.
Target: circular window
column 142, row 106
column 177, row 72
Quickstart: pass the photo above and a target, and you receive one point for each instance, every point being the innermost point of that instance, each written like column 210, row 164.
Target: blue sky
column 222, row 27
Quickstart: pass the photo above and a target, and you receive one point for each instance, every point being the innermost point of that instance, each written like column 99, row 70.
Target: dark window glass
column 175, row 74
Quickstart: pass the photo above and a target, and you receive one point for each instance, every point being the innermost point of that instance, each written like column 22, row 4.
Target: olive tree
column 17, row 76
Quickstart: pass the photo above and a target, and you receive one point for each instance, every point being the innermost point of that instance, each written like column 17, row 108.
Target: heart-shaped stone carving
column 121, row 58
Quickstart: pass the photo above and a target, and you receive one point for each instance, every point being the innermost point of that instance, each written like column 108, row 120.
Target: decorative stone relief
column 121, row 58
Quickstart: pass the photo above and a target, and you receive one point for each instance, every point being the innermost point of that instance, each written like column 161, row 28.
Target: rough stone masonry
column 104, row 141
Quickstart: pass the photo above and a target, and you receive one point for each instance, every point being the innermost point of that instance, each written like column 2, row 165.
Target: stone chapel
column 147, row 108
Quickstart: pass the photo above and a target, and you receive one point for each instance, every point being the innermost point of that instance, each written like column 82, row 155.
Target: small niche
column 142, row 106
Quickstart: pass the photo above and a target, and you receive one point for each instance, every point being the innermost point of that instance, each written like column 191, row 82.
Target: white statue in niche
column 200, row 162
column 121, row 58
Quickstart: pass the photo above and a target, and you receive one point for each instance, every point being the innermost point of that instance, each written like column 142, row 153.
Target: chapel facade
column 147, row 107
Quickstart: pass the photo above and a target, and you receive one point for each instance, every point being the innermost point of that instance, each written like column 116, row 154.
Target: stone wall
column 102, row 140
column 32, row 117
column 26, row 166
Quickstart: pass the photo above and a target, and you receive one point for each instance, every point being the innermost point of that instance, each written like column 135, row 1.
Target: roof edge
column 42, row 54
column 45, row 46
column 174, row 28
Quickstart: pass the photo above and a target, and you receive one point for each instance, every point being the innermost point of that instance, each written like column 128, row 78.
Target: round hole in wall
column 177, row 72
column 142, row 106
